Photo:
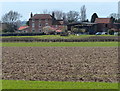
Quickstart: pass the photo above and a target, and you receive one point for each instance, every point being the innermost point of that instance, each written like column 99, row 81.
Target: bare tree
column 58, row 14
column 11, row 19
column 65, row 18
column 46, row 11
column 114, row 15
column 83, row 13
column 72, row 16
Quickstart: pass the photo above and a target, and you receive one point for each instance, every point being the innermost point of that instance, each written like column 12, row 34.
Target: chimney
column 31, row 15
column 53, row 14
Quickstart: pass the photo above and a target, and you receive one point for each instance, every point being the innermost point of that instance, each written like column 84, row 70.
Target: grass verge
column 55, row 36
column 59, row 44
column 19, row 84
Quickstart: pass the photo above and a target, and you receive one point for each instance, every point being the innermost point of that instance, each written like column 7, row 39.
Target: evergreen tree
column 31, row 15
column 112, row 19
column 27, row 23
column 94, row 16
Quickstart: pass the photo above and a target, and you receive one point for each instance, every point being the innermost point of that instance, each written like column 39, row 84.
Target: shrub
column 111, row 32
column 64, row 34
column 48, row 30
column 75, row 30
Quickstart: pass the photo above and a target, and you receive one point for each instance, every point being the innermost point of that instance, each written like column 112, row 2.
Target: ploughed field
column 95, row 64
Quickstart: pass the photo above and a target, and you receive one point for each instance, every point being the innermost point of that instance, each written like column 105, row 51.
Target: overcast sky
column 103, row 9
column 59, row 0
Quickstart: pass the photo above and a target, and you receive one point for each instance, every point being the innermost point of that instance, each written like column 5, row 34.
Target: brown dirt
column 98, row 64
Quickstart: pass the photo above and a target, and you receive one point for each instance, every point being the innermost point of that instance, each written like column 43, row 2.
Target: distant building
column 39, row 21
column 23, row 29
column 100, row 25
column 103, row 24
column 89, row 28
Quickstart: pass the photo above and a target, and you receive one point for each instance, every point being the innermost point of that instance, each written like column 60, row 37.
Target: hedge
column 90, row 39
column 21, row 34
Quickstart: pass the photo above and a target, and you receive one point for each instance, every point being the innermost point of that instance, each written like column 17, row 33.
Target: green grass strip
column 59, row 44
column 55, row 36
column 18, row 84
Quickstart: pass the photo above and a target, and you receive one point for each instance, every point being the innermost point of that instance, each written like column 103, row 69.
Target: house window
column 33, row 24
column 33, row 30
column 46, row 20
column 40, row 25
column 40, row 30
column 46, row 24
column 106, row 25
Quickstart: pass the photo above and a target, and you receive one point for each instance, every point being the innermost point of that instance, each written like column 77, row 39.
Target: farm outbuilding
column 87, row 26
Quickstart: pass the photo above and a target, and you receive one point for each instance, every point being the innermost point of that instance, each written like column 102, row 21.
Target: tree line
column 115, row 17
column 70, row 16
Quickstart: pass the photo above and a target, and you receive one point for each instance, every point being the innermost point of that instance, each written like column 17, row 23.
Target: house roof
column 58, row 30
column 57, row 22
column 84, row 23
column 22, row 27
column 103, row 20
column 41, row 16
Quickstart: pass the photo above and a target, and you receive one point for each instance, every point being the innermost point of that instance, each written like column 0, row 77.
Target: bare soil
column 96, row 64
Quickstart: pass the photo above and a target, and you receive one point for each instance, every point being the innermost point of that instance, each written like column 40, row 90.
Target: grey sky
column 103, row 9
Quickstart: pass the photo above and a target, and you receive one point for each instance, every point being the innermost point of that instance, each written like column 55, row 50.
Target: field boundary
column 60, row 90
column 92, row 39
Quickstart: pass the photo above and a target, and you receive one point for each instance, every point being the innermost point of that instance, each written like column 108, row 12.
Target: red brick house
column 103, row 24
column 39, row 21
